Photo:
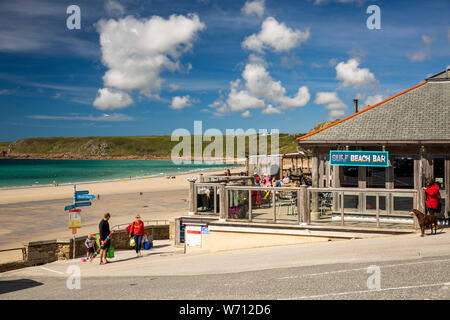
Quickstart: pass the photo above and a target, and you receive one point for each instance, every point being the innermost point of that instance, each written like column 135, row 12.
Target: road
column 410, row 267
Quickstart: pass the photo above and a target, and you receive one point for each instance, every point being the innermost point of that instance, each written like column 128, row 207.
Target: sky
column 136, row 67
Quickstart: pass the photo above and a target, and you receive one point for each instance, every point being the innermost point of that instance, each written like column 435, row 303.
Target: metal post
column 342, row 207
column 74, row 247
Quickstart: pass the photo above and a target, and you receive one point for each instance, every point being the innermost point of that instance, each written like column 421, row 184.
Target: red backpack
column 129, row 228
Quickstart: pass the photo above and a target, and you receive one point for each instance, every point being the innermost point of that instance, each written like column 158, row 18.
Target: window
column 375, row 177
column 371, row 203
column 403, row 173
column 349, row 177
column 439, row 172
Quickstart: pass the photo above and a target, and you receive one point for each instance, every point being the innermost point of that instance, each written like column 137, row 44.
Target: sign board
column 69, row 207
column 77, row 193
column 359, row 158
column 83, row 204
column 193, row 236
column 84, row 197
column 75, row 210
column 74, row 220
column 74, row 230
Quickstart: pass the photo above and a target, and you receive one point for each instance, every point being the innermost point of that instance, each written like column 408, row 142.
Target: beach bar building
column 411, row 129
column 368, row 171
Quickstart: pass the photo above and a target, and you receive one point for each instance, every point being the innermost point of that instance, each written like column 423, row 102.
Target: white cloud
column 105, row 117
column 350, row 75
column 417, row 56
column 371, row 100
column 276, row 36
column 181, row 102
column 239, row 100
column 256, row 7
column 110, row 99
column 173, row 87
column 137, row 51
column 245, row 114
column 333, row 62
column 423, row 53
column 114, row 8
column 271, row 110
column 334, row 105
column 257, row 90
column 260, row 84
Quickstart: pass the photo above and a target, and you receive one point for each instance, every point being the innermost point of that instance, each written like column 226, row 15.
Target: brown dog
column 426, row 221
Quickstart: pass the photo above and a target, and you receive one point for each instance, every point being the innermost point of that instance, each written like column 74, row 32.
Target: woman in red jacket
column 432, row 194
column 138, row 232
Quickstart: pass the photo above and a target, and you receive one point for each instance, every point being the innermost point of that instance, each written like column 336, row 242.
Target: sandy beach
column 33, row 214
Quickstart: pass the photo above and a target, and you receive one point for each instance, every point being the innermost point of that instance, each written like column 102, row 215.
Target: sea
column 37, row 172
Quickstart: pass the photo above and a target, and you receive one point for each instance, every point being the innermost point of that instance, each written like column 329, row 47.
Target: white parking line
column 59, row 272
column 360, row 269
column 367, row 291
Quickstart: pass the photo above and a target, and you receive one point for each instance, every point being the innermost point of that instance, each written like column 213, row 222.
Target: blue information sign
column 69, row 207
column 359, row 158
column 80, row 197
column 81, row 192
column 82, row 204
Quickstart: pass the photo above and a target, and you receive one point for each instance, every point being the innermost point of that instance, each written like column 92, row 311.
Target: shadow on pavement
column 16, row 285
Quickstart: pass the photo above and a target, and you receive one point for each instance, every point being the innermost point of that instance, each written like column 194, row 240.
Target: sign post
column 79, row 198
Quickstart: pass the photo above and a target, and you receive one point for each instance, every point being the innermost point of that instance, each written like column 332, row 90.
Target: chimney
column 355, row 105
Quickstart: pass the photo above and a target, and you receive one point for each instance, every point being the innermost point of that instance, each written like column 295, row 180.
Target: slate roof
column 419, row 113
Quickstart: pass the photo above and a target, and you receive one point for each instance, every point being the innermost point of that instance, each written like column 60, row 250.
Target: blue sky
column 232, row 64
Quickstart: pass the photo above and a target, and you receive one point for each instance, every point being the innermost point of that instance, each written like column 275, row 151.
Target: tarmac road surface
column 403, row 267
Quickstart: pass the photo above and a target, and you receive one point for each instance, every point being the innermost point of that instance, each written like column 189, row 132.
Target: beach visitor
column 267, row 179
column 137, row 231
column 276, row 183
column 90, row 245
column 432, row 194
column 104, row 232
column 228, row 173
column 286, row 179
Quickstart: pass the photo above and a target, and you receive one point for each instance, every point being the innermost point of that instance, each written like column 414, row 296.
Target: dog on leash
column 425, row 221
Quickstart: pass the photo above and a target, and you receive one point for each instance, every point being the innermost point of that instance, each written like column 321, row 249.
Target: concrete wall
column 41, row 252
column 226, row 240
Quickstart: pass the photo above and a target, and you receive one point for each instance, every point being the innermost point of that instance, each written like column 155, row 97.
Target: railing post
column 274, row 206
column 250, row 205
column 192, row 197
column 342, row 207
column 377, row 205
column 223, row 202
column 304, row 204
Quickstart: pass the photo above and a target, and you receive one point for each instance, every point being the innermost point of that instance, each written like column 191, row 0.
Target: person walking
column 104, row 232
column 137, row 231
column 433, row 196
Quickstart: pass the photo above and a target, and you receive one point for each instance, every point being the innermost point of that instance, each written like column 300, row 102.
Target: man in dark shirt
column 104, row 233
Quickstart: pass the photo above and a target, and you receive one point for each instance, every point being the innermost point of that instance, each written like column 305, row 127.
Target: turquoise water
column 28, row 172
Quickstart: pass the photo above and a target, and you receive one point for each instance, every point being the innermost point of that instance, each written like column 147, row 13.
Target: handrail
column 146, row 221
column 11, row 249
column 359, row 190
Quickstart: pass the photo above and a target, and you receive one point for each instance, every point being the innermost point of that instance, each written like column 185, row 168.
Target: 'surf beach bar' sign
column 359, row 158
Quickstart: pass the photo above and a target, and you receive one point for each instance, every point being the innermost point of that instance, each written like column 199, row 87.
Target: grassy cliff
column 115, row 147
